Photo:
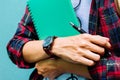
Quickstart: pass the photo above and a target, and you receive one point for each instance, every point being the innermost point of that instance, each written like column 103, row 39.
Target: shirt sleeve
column 24, row 33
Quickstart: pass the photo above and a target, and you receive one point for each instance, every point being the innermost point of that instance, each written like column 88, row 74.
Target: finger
column 95, row 48
column 42, row 70
column 50, row 75
column 91, row 55
column 99, row 40
column 81, row 59
column 86, row 61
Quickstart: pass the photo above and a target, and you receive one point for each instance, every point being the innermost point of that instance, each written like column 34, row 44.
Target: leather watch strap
column 47, row 48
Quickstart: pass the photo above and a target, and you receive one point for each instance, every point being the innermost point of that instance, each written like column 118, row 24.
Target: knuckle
column 102, row 51
column 76, row 59
column 79, row 53
column 98, row 36
column 86, row 35
column 39, row 72
column 91, row 63
column 97, row 58
column 83, row 43
column 104, row 42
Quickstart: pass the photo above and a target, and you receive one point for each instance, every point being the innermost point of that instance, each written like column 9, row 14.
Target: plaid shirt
column 103, row 21
column 24, row 33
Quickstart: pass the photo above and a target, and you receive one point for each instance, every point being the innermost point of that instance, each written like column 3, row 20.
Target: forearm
column 55, row 67
column 78, row 69
column 33, row 51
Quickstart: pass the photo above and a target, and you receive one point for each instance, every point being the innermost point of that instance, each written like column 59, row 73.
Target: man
column 25, row 49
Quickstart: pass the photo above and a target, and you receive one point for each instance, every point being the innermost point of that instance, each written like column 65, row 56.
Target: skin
column 52, row 68
column 81, row 50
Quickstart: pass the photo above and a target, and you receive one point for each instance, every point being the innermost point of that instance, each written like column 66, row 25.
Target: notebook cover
column 53, row 17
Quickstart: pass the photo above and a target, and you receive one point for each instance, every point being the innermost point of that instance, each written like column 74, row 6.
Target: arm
column 77, row 49
column 25, row 33
column 83, row 48
column 54, row 67
column 25, row 48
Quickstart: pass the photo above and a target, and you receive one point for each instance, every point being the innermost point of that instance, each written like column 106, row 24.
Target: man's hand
column 49, row 68
column 84, row 48
column 53, row 68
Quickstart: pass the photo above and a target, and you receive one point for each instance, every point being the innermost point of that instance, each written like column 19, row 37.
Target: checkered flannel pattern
column 103, row 21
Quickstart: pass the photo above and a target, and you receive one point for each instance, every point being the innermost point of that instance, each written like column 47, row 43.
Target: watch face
column 48, row 41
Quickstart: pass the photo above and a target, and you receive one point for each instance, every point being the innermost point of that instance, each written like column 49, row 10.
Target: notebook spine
column 32, row 17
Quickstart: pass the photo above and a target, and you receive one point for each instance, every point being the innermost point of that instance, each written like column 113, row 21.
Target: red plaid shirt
column 103, row 21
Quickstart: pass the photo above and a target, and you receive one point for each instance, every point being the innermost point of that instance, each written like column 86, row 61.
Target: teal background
column 11, row 12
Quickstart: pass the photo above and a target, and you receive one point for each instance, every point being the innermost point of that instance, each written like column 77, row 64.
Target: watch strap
column 49, row 48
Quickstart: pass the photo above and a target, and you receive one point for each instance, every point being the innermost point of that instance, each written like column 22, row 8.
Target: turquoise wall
column 11, row 12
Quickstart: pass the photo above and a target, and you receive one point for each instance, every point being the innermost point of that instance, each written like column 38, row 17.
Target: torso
column 83, row 13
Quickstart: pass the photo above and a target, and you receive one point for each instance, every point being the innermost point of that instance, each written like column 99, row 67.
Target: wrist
column 56, row 46
column 48, row 44
column 62, row 65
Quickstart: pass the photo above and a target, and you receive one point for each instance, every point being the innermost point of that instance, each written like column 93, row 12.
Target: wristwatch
column 47, row 45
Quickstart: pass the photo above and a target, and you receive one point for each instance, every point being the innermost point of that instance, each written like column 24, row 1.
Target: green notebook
column 53, row 17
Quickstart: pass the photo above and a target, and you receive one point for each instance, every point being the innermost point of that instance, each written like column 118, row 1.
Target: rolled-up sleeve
column 24, row 33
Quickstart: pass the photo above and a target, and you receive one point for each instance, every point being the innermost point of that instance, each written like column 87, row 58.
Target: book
column 53, row 17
